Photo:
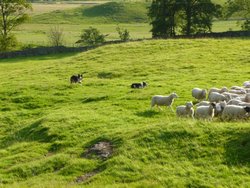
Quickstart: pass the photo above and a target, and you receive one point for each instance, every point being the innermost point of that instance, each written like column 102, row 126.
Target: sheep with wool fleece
column 223, row 89
column 199, row 94
column 216, row 97
column 235, row 112
column 160, row 100
column 185, row 110
column 205, row 112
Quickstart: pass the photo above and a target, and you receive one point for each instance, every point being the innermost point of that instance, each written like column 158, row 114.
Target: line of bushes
column 62, row 49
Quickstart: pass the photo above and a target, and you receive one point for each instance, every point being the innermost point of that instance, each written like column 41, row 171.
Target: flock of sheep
column 229, row 104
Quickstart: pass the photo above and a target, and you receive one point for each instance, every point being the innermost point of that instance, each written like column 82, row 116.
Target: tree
column 192, row 16
column 198, row 15
column 55, row 36
column 91, row 36
column 123, row 34
column 162, row 15
column 12, row 14
column 243, row 8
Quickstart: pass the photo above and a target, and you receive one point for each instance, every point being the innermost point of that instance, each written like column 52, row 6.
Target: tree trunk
column 188, row 17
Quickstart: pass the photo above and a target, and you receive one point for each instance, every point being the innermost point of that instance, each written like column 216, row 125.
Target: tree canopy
column 12, row 14
column 187, row 16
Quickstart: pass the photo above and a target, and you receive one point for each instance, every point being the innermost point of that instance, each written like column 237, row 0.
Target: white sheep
column 235, row 91
column 218, row 107
column 205, row 112
column 223, row 89
column 234, row 102
column 247, row 98
column 231, row 112
column 230, row 96
column 185, row 110
column 237, row 88
column 246, row 84
column 244, row 104
column 203, row 103
column 199, row 94
column 216, row 97
column 160, row 100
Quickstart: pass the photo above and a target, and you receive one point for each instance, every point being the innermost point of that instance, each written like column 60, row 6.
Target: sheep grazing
column 199, row 94
column 219, row 108
column 231, row 112
column 234, row 102
column 237, row 88
column 230, row 96
column 224, row 89
column 216, row 97
column 205, row 112
column 76, row 78
column 235, row 91
column 247, row 98
column 160, row 100
column 246, row 84
column 185, row 110
column 139, row 85
column 203, row 103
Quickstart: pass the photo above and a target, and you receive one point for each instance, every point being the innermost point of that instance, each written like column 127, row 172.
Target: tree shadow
column 147, row 113
column 33, row 132
column 237, row 149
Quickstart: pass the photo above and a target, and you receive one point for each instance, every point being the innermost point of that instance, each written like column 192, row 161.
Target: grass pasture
column 46, row 124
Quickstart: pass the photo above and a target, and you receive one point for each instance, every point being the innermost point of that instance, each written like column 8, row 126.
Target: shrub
column 8, row 43
column 123, row 34
column 92, row 36
column 56, row 36
column 246, row 26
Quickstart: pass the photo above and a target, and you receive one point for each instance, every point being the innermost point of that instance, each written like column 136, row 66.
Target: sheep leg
column 159, row 107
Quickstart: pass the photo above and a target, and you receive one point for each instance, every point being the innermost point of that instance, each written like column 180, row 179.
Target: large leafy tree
column 192, row 16
column 198, row 15
column 12, row 14
column 163, row 18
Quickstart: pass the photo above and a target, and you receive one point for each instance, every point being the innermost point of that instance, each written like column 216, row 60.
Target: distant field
column 37, row 33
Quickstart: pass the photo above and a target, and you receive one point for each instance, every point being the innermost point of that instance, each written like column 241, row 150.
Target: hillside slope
column 111, row 12
column 47, row 125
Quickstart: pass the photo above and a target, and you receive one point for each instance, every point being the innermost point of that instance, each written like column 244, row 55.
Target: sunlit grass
column 46, row 123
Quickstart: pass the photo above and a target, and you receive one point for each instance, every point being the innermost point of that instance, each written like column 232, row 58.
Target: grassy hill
column 48, row 125
column 111, row 12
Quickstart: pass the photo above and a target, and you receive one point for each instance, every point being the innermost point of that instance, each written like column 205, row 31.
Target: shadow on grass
column 95, row 99
column 148, row 113
column 237, row 149
column 33, row 132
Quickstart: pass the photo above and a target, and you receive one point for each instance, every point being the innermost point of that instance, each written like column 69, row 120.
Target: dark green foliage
column 191, row 16
column 246, row 25
column 92, row 36
column 198, row 15
column 162, row 15
column 8, row 42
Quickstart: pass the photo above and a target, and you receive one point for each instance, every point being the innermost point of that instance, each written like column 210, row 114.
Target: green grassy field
column 47, row 124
